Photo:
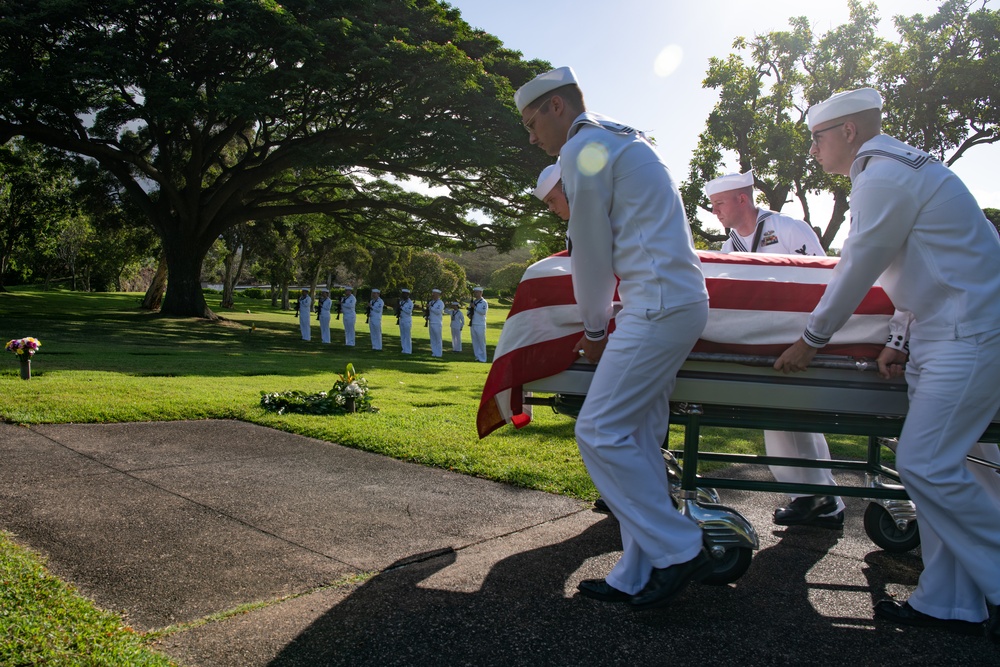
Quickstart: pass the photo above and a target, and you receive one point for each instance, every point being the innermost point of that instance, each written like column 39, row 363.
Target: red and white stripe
column 760, row 304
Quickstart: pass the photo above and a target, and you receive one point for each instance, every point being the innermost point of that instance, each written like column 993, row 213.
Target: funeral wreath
column 349, row 393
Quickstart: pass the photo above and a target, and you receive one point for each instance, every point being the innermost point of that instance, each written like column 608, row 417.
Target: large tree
column 212, row 113
column 939, row 83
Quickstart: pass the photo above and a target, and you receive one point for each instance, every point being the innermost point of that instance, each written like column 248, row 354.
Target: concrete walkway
column 357, row 559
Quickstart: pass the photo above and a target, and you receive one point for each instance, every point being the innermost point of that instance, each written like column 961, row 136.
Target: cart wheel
column 882, row 530
column 730, row 567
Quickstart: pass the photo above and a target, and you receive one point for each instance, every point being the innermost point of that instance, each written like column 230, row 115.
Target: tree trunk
column 154, row 295
column 184, row 297
column 228, row 280
column 837, row 217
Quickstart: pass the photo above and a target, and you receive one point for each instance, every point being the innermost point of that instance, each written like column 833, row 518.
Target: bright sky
column 643, row 61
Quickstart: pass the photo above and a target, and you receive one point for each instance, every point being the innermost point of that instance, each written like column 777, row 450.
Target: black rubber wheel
column 730, row 567
column 884, row 533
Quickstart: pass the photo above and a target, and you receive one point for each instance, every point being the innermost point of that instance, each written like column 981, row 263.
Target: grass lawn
column 104, row 360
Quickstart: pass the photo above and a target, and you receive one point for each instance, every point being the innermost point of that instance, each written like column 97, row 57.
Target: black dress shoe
column 833, row 522
column 601, row 506
column 901, row 613
column 599, row 589
column 993, row 626
column 804, row 510
column 665, row 583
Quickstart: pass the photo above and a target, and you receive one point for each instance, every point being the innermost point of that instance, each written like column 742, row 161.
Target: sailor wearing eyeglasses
column 626, row 220
column 917, row 229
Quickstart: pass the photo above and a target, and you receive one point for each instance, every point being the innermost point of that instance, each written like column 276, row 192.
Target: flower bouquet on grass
column 349, row 394
column 25, row 349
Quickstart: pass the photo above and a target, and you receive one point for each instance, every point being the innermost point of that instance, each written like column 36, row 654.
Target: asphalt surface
column 258, row 547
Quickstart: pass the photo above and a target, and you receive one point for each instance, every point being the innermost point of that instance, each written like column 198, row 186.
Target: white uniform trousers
column 479, row 341
column 621, row 426
column 435, row 334
column 456, row 339
column 375, row 328
column 954, row 394
column 406, row 336
column 349, row 320
column 800, row 446
column 324, row 326
column 305, row 326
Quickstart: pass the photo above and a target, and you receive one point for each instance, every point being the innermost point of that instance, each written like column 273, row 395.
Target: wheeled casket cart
column 761, row 303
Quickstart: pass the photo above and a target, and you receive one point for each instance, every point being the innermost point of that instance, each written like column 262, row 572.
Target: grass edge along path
column 45, row 621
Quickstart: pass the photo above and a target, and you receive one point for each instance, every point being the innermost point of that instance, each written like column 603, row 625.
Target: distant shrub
column 255, row 293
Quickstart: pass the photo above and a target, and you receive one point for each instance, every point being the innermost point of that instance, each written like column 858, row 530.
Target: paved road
column 364, row 560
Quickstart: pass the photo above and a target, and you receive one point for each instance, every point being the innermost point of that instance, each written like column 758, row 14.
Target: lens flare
column 668, row 60
column 592, row 159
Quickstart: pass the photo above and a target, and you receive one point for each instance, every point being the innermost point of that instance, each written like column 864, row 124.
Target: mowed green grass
column 104, row 360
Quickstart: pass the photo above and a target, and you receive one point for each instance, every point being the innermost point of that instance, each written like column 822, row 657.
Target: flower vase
column 25, row 368
column 349, row 404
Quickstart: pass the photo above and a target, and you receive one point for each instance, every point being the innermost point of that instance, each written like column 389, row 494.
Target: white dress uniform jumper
column 305, row 312
column 477, row 325
column 627, row 220
column 434, row 324
column 375, row 322
column 457, row 324
column 776, row 233
column 324, row 319
column 406, row 325
column 916, row 228
column 349, row 312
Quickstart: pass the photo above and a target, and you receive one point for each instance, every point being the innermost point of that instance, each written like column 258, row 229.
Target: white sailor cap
column 455, row 303
column 843, row 104
column 376, row 290
column 729, row 182
column 477, row 288
column 436, row 291
column 348, row 288
column 547, row 180
column 405, row 291
column 543, row 83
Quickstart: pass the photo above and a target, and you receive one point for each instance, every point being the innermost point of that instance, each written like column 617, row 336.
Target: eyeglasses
column 815, row 135
column 529, row 124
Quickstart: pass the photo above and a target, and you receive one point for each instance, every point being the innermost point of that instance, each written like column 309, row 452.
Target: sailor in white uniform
column 457, row 324
column 477, row 323
column 626, row 220
column 324, row 316
column 377, row 305
column 405, row 316
column 348, row 308
column 304, row 309
column 549, row 191
column 435, row 312
column 916, row 228
column 752, row 229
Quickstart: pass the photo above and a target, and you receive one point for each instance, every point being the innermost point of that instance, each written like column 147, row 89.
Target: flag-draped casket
column 760, row 304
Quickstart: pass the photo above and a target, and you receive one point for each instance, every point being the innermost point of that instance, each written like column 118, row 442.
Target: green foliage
column 244, row 111
column 942, row 79
column 939, row 83
column 479, row 264
column 504, row 280
column 350, row 388
column 993, row 215
column 255, row 293
column 35, row 196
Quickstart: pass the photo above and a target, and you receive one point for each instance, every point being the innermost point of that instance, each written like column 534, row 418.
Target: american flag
column 760, row 304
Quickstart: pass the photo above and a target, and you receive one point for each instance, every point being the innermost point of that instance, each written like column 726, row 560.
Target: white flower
column 353, row 390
